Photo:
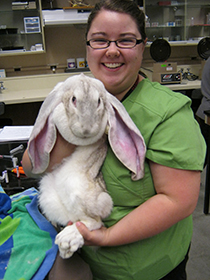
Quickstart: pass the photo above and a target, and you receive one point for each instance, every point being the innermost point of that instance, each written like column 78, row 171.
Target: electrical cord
column 188, row 75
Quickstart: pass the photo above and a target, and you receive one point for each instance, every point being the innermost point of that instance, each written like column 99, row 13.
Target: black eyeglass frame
column 138, row 41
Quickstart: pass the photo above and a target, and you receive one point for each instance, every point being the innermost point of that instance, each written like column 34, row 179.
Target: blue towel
column 27, row 249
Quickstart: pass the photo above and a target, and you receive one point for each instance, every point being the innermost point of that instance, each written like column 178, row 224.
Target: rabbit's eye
column 99, row 102
column 74, row 100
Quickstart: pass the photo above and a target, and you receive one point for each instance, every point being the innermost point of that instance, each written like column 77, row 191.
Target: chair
column 4, row 121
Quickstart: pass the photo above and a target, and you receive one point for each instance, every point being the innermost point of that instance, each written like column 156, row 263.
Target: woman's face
column 117, row 68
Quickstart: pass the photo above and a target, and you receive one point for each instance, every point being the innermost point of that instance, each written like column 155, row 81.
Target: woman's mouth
column 113, row 65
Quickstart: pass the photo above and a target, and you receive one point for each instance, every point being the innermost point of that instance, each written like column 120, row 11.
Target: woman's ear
column 144, row 44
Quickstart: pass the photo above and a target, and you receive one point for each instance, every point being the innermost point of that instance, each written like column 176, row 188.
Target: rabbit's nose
column 86, row 132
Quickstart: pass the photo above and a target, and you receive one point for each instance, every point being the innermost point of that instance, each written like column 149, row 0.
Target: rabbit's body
column 77, row 193
column 81, row 110
column 77, row 189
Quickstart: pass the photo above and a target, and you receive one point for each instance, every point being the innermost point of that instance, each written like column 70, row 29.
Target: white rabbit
column 81, row 109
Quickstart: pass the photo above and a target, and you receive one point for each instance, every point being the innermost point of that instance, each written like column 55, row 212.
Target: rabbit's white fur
column 75, row 189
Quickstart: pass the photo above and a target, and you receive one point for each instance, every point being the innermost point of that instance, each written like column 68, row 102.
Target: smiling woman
column 115, row 45
column 114, row 50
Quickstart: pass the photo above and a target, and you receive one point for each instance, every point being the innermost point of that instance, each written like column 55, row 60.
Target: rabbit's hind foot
column 69, row 240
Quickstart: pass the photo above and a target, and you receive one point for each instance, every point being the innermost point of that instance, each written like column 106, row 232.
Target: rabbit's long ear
column 43, row 135
column 125, row 138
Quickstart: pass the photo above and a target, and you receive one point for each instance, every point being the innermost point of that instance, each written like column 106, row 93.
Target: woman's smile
column 112, row 65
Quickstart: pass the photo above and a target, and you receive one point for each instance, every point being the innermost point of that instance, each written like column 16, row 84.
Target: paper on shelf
column 15, row 133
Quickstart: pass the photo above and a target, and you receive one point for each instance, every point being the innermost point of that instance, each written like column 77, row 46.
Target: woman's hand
column 96, row 237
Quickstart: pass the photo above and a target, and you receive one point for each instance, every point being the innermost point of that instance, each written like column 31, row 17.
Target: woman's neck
column 122, row 96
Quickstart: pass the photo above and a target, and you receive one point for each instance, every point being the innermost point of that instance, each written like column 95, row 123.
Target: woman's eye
column 99, row 41
column 126, row 41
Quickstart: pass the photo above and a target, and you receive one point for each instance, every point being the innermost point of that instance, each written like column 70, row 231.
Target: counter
column 29, row 89
column 185, row 84
column 24, row 95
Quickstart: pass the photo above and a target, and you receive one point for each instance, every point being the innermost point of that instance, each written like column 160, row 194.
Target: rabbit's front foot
column 69, row 240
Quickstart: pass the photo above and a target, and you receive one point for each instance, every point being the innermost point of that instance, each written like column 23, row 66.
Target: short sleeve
column 177, row 142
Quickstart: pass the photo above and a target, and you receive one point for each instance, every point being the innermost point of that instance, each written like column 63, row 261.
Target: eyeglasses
column 126, row 43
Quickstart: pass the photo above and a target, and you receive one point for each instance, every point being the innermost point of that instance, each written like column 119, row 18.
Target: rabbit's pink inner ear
column 41, row 145
column 122, row 143
column 127, row 146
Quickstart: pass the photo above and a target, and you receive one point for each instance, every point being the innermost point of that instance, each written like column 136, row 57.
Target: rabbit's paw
column 105, row 204
column 69, row 240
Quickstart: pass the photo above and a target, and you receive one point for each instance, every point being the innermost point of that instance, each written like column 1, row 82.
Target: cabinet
column 181, row 21
column 21, row 28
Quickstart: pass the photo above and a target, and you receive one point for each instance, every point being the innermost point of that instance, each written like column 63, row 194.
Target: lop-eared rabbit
column 88, row 116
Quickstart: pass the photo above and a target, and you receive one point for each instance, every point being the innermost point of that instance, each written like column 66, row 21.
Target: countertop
column 28, row 89
column 31, row 88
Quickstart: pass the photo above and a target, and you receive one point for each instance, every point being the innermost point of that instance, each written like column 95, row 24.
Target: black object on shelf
column 8, row 31
column 11, row 48
column 160, row 50
column 203, row 48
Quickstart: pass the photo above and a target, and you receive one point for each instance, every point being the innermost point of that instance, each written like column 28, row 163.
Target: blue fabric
column 27, row 248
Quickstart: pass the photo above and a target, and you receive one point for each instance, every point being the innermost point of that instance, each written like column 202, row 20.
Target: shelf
column 79, row 8
column 164, row 6
column 179, row 43
column 26, row 11
column 198, row 5
column 17, row 52
column 200, row 25
column 20, row 34
column 21, row 27
column 178, row 26
column 164, row 26
column 183, row 20
column 62, row 17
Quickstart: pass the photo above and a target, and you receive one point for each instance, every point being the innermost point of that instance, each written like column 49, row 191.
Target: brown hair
column 121, row 6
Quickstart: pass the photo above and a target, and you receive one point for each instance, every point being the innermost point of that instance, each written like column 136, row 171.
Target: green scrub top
column 173, row 139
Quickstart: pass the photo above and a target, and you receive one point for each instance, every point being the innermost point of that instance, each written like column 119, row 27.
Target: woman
column 148, row 234
column 205, row 103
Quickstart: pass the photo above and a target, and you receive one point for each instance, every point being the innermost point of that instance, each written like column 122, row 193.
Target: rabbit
column 86, row 115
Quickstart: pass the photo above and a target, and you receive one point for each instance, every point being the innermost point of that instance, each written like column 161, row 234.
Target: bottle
column 147, row 21
column 208, row 18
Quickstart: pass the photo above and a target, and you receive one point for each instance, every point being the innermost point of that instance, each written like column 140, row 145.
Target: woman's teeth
column 112, row 65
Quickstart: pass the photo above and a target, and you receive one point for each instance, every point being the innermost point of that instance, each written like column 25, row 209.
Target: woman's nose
column 113, row 50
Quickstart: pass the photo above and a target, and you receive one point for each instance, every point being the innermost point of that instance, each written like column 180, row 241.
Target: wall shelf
column 188, row 19
column 21, row 27
column 65, row 17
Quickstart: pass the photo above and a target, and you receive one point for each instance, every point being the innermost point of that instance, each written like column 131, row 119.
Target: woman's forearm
column 152, row 217
column 176, row 199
